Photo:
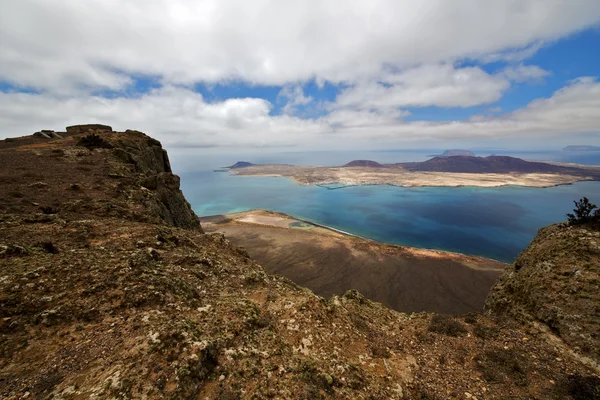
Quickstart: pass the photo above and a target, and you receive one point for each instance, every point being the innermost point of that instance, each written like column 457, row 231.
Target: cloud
column 523, row 73
column 513, row 55
column 440, row 85
column 294, row 97
column 72, row 46
column 181, row 118
column 177, row 116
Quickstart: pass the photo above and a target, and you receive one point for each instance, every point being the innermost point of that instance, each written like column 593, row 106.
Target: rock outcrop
column 124, row 174
column 75, row 129
column 556, row 282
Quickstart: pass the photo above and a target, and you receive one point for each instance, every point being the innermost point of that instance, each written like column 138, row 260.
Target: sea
column 497, row 223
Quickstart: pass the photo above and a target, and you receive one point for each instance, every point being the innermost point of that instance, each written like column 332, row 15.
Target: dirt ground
column 330, row 263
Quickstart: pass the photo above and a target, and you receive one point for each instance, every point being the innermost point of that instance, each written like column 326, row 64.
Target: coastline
column 331, row 261
column 435, row 179
column 235, row 217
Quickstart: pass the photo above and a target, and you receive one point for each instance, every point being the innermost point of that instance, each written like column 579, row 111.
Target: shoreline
column 323, row 185
column 349, row 234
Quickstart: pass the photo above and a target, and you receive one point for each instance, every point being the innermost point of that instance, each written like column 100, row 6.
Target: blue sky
column 307, row 74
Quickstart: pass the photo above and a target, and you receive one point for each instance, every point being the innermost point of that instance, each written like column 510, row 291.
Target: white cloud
column 522, row 73
column 62, row 46
column 441, row 85
column 182, row 118
column 430, row 85
column 294, row 97
column 513, row 55
column 177, row 116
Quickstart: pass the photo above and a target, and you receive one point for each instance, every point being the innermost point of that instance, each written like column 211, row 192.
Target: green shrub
column 582, row 213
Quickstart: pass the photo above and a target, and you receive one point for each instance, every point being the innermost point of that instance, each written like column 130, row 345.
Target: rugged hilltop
column 364, row 163
column 496, row 164
column 109, row 289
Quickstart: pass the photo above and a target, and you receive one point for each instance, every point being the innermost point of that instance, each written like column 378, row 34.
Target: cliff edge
column 89, row 170
column 555, row 282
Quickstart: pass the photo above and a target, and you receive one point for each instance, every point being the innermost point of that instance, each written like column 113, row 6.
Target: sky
column 277, row 75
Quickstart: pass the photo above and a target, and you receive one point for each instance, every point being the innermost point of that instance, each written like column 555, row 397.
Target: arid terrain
column 109, row 288
column 440, row 171
column 330, row 263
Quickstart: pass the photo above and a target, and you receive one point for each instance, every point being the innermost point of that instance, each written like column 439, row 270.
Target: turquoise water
column 497, row 223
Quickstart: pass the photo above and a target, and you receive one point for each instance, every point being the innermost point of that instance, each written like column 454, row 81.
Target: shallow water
column 497, row 223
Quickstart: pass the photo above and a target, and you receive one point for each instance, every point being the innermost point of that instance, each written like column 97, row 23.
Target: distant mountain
column 490, row 164
column 240, row 164
column 456, row 152
column 364, row 163
column 581, row 148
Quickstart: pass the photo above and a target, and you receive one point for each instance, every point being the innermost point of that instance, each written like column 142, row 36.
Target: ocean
column 491, row 222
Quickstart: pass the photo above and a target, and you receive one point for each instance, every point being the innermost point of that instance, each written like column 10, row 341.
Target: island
column 455, row 152
column 455, row 171
column 581, row 148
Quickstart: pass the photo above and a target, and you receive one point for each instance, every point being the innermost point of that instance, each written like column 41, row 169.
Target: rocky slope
column 108, row 289
column 556, row 283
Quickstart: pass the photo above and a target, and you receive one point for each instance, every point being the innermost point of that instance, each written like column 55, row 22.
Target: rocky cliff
column 109, row 290
column 556, row 283
column 91, row 170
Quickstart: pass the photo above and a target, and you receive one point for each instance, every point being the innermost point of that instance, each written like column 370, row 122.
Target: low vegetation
column 446, row 325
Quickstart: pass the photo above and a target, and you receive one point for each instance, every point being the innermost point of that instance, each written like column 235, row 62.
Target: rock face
column 126, row 175
column 75, row 129
column 364, row 163
column 556, row 282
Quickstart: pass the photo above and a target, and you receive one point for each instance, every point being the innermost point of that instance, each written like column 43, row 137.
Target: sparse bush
column 583, row 387
column 583, row 212
column 446, row 325
column 93, row 141
column 471, row 318
column 500, row 365
column 485, row 332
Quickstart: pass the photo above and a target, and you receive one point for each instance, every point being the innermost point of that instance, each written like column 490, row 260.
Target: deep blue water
column 497, row 223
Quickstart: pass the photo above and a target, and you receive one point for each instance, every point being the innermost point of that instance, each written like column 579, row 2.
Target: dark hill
column 455, row 152
column 490, row 164
column 364, row 163
column 240, row 164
